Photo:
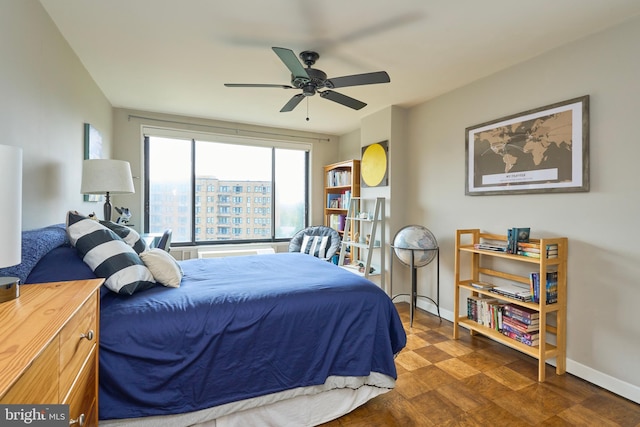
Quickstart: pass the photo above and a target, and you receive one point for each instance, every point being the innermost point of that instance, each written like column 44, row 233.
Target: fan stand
column 414, row 282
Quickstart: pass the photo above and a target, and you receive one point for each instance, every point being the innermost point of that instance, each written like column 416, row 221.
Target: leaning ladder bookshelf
column 365, row 222
column 487, row 266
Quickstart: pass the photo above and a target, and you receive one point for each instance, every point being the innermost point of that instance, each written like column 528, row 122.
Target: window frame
column 193, row 137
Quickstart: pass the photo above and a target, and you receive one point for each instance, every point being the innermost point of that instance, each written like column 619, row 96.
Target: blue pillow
column 59, row 265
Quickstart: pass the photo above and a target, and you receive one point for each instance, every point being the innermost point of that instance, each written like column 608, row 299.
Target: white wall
column 47, row 96
column 603, row 341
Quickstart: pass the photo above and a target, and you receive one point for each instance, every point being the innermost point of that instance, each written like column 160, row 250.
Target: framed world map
column 536, row 151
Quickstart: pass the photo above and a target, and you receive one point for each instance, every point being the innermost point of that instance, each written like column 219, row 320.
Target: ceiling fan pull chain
column 307, row 108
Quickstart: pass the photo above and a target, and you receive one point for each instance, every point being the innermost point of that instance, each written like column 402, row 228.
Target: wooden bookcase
column 493, row 266
column 341, row 182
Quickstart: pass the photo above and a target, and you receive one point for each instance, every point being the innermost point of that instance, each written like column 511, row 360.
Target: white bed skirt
column 304, row 406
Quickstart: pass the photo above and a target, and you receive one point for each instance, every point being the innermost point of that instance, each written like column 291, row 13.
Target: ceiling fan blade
column 293, row 103
column 359, row 79
column 291, row 61
column 342, row 99
column 257, row 85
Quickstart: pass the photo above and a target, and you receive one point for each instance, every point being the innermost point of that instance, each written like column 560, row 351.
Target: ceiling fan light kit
column 311, row 80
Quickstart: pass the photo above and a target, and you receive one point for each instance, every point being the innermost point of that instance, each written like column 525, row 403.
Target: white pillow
column 315, row 245
column 163, row 266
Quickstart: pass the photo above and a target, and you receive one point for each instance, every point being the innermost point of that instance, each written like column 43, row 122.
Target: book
column 536, row 254
column 528, row 335
column 482, row 285
column 524, row 312
column 535, row 247
column 551, row 286
column 520, row 319
column 521, row 339
column 519, row 326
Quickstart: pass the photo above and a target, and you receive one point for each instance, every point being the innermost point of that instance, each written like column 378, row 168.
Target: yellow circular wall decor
column 373, row 166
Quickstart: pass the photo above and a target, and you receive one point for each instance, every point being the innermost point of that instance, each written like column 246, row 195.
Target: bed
column 277, row 339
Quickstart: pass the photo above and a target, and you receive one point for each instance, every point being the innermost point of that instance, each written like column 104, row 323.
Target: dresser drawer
column 82, row 396
column 78, row 338
column 39, row 384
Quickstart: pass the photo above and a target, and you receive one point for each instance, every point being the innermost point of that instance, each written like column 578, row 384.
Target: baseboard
column 607, row 382
column 614, row 385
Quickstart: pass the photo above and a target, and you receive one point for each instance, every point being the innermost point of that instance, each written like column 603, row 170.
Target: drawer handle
column 80, row 420
column 89, row 335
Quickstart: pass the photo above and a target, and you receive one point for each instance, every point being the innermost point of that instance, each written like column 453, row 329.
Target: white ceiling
column 173, row 56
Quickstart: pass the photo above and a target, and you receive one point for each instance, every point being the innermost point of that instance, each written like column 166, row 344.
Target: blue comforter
column 241, row 327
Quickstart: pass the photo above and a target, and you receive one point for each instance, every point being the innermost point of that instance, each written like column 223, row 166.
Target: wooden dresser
column 49, row 347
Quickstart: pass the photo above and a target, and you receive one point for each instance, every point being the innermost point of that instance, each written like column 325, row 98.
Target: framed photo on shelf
column 537, row 151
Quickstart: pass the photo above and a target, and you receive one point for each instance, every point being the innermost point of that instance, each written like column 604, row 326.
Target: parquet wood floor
column 476, row 382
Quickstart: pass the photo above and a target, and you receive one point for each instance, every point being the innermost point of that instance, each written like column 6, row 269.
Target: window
column 197, row 181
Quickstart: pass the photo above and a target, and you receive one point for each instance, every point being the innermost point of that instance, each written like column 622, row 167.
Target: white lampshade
column 105, row 176
column 101, row 176
column 11, row 200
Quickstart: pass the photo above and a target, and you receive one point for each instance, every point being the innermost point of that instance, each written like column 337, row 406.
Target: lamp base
column 107, row 208
column 9, row 288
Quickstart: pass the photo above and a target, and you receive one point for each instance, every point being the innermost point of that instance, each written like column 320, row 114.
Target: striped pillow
column 128, row 234
column 108, row 255
column 315, row 245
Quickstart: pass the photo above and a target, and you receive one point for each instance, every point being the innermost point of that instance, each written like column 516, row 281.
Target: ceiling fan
column 311, row 80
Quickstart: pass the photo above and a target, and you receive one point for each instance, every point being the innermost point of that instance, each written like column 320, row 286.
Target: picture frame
column 544, row 150
column 374, row 165
column 92, row 150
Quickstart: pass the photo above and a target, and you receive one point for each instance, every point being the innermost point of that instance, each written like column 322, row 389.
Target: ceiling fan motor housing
column 317, row 79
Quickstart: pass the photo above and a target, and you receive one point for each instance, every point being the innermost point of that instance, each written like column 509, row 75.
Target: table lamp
column 106, row 176
column 10, row 218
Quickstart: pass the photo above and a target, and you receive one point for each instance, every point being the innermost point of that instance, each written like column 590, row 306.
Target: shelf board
column 499, row 254
column 338, row 187
column 354, row 270
column 533, row 351
column 359, row 245
column 532, row 305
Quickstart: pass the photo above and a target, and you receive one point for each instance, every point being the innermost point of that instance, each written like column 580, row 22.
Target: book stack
column 345, row 198
column 338, row 178
column 534, row 250
column 492, row 246
column 521, row 324
column 337, row 221
column 552, row 286
column 486, row 311
column 517, row 291
column 517, row 235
